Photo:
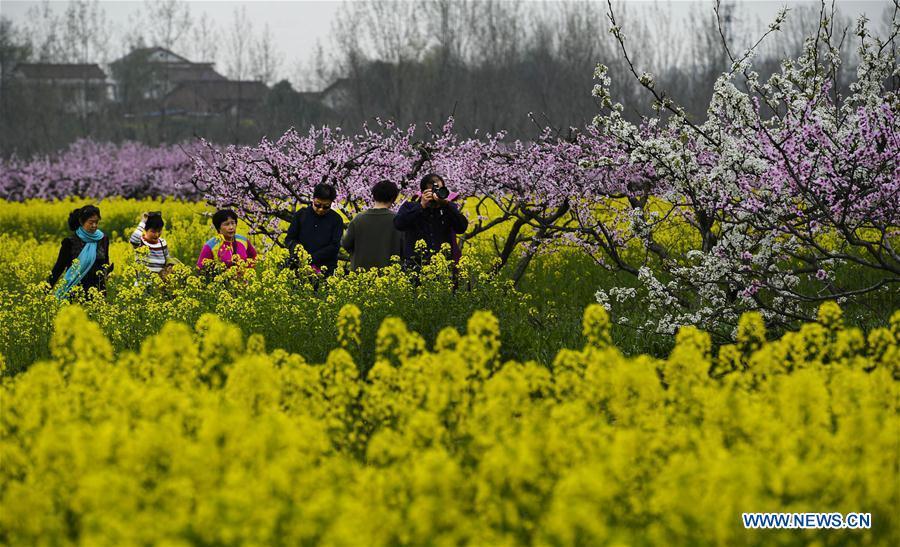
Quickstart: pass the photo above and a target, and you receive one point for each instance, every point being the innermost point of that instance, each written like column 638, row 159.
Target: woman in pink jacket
column 228, row 246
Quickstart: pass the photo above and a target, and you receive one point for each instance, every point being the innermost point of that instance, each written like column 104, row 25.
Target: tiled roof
column 46, row 71
column 193, row 72
column 144, row 52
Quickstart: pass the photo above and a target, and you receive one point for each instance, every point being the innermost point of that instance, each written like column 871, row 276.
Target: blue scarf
column 86, row 259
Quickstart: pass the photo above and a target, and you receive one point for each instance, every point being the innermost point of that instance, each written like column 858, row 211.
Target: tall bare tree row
column 487, row 62
column 491, row 62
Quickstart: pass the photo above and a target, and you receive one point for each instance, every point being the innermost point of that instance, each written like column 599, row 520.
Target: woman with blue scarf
column 89, row 247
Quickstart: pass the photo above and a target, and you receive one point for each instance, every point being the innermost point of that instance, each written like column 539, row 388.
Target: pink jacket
column 217, row 249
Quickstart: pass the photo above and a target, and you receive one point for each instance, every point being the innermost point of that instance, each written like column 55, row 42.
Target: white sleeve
column 136, row 236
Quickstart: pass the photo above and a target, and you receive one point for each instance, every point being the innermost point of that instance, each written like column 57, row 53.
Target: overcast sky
column 297, row 25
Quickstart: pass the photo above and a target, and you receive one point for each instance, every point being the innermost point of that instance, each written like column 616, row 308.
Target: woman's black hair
column 429, row 180
column 324, row 192
column 222, row 215
column 385, row 191
column 155, row 222
column 80, row 215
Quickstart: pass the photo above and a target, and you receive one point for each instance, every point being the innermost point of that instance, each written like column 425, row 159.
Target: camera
column 442, row 192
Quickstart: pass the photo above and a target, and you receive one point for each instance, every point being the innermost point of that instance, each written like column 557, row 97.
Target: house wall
column 336, row 99
column 185, row 99
column 75, row 96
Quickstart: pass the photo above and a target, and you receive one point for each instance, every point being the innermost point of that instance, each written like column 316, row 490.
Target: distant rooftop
column 154, row 54
column 49, row 71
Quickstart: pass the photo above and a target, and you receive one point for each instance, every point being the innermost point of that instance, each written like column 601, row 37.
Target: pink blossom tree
column 787, row 183
column 530, row 184
column 91, row 169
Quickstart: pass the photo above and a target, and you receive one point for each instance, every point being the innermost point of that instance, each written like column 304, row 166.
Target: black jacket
column 319, row 235
column 434, row 225
column 69, row 250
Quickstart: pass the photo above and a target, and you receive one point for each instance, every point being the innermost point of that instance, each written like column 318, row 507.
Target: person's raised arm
column 138, row 233
column 407, row 215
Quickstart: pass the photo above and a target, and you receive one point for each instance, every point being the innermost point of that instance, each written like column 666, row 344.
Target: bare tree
column 14, row 46
column 86, row 32
column 167, row 22
column 14, row 49
column 86, row 35
column 394, row 33
column 265, row 59
column 204, row 40
column 44, row 27
column 239, row 43
column 310, row 74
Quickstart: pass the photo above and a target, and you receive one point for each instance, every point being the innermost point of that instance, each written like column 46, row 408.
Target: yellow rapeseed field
column 205, row 437
column 186, row 413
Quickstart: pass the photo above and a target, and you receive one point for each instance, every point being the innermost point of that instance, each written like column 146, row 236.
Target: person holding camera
column 318, row 228
column 371, row 238
column 431, row 218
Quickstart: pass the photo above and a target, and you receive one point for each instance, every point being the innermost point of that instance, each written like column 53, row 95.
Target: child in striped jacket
column 148, row 234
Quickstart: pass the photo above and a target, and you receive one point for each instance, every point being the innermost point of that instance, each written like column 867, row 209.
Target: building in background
column 78, row 88
column 205, row 98
column 146, row 76
column 338, row 96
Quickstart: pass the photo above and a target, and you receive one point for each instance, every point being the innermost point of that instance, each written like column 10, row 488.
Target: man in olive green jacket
column 371, row 238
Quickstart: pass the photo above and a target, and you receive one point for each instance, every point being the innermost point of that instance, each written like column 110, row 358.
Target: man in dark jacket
column 318, row 230
column 430, row 218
